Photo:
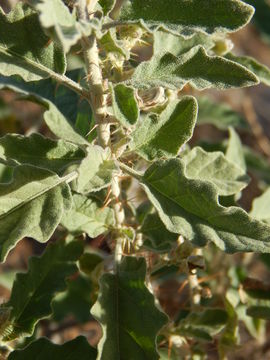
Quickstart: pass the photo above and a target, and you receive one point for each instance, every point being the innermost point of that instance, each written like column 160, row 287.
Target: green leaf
column 66, row 100
column 32, row 204
column 218, row 114
column 204, row 324
column 75, row 301
column 261, row 207
column 260, row 70
column 36, row 150
column 106, row 5
column 196, row 68
column 95, row 171
column 234, row 151
column 43, row 349
column 177, row 45
column 158, row 238
column 24, row 49
column 159, row 136
column 126, row 310
column 190, row 207
column 228, row 178
column 54, row 16
column 5, row 173
column 261, row 312
column 110, row 44
column 32, row 292
column 125, row 105
column 188, row 16
column 54, row 119
column 87, row 217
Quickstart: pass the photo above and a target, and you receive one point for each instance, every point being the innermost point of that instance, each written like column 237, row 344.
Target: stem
column 94, row 77
column 195, row 296
column 130, row 171
column 98, row 103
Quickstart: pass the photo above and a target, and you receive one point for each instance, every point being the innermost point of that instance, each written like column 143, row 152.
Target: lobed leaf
column 31, row 204
column 261, row 207
column 228, row 178
column 36, row 150
column 159, row 136
column 158, row 238
column 24, row 48
column 42, row 349
column 86, row 216
column 125, row 105
column 235, row 151
column 95, row 171
column 166, row 42
column 32, row 292
column 54, row 119
column 54, row 16
column 126, row 310
column 196, row 68
column 204, row 324
column 190, row 207
column 260, row 70
column 188, row 16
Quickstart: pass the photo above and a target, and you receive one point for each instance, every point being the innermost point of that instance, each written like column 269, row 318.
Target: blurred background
column 247, row 110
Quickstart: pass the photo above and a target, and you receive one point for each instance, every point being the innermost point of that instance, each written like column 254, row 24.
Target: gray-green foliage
column 126, row 109
column 86, row 216
column 194, row 67
column 158, row 136
column 190, row 207
column 25, row 50
column 126, row 310
column 32, row 204
column 190, row 15
column 33, row 291
column 39, row 151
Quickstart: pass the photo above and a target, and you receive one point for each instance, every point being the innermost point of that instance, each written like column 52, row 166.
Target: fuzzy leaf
column 125, row 106
column 159, row 136
column 261, row 207
column 87, row 217
column 203, row 325
column 218, row 114
column 95, row 171
column 32, row 292
column 234, row 151
column 196, row 68
column 228, row 178
column 32, row 204
column 43, row 349
column 158, row 238
column 24, row 49
column 190, row 207
column 54, row 16
column 126, row 310
column 188, row 16
column 110, row 44
column 36, row 150
column 260, row 70
column 54, row 119
column 177, row 45
column 66, row 100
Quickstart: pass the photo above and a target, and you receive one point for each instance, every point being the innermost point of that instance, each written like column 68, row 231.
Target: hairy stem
column 94, row 77
column 98, row 99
